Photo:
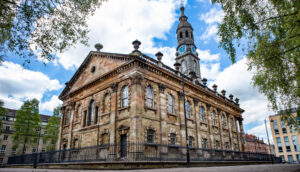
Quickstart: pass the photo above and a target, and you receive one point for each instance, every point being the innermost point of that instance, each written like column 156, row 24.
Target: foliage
column 271, row 30
column 3, row 111
column 52, row 129
column 27, row 124
column 43, row 27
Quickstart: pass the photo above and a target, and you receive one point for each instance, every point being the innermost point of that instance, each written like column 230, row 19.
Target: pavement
column 243, row 168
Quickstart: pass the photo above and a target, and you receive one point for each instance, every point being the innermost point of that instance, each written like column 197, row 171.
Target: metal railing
column 135, row 152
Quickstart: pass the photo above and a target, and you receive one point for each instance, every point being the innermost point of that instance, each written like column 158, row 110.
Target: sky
column 153, row 22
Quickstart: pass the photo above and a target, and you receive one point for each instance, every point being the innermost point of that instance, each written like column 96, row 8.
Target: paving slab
column 243, row 168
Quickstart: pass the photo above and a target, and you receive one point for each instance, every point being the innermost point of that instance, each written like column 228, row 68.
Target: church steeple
column 186, row 49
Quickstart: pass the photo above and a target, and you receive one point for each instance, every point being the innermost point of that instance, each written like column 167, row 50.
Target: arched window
column 186, row 34
column 84, row 118
column 106, row 103
column 68, row 116
column 191, row 141
column 172, row 138
column 188, row 109
column 213, row 118
column 149, row 97
column 204, row 143
column 192, row 35
column 170, row 104
column 223, row 118
column 183, row 65
column 202, row 115
column 231, row 124
column 125, row 101
column 150, row 136
column 91, row 113
column 180, row 34
column 238, row 125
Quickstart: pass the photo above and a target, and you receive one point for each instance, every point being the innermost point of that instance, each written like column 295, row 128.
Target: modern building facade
column 6, row 141
column 122, row 98
column 286, row 138
column 255, row 145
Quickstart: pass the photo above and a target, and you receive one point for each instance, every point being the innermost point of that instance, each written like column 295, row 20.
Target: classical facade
column 6, row 139
column 122, row 98
column 286, row 138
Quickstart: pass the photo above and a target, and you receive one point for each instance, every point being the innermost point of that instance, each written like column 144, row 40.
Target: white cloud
column 210, row 71
column 212, row 18
column 51, row 104
column 210, row 32
column 205, row 55
column 236, row 80
column 18, row 84
column 117, row 23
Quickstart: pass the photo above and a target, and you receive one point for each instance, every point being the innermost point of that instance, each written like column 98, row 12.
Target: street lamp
column 177, row 66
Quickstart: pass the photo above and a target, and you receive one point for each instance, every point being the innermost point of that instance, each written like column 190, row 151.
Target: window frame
column 125, row 97
column 149, row 97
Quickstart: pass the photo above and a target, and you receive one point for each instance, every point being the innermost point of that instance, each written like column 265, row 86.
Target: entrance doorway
column 123, row 145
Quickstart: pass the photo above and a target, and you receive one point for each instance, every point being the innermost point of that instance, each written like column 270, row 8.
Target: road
column 244, row 168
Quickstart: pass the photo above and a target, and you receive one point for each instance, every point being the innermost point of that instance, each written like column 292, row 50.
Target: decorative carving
column 136, row 78
column 196, row 101
column 114, row 87
column 161, row 87
column 180, row 95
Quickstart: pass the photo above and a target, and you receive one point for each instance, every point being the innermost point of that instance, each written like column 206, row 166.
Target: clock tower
column 186, row 53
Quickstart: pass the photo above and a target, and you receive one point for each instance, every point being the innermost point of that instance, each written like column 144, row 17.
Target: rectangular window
column 33, row 150
column 287, row 144
column 3, row 149
column 290, row 158
column 295, row 143
column 275, row 127
column 292, row 128
column 1, row 160
column 84, row 118
column 7, row 128
column 279, row 144
column 5, row 137
column 283, row 127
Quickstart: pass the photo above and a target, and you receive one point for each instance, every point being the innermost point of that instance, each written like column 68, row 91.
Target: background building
column 255, row 145
column 130, row 98
column 7, row 140
column 286, row 138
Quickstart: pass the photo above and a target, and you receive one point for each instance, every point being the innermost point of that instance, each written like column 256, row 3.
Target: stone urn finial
column 236, row 100
column 159, row 56
column 98, row 46
column 204, row 81
column 231, row 97
column 136, row 44
column 215, row 87
column 223, row 92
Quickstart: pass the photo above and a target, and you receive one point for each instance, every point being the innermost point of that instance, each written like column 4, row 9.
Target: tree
column 46, row 26
column 271, row 30
column 52, row 129
column 27, row 125
column 3, row 111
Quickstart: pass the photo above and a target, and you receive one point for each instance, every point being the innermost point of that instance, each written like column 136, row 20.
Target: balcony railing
column 135, row 152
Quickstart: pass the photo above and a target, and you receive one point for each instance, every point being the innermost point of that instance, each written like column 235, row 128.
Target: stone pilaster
column 71, row 125
column 209, row 123
column 114, row 113
column 197, row 120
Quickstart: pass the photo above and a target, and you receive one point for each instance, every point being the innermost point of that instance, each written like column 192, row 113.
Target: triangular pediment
column 94, row 66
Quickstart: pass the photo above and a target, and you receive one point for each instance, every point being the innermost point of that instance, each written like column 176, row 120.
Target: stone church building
column 130, row 98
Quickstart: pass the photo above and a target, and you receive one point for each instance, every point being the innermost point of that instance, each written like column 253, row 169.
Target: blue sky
column 115, row 25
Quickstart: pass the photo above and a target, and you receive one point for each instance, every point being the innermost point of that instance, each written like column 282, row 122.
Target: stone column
column 136, row 108
column 220, row 128
column 113, row 113
column 71, row 125
column 230, row 132
column 162, row 112
column 58, row 144
column 242, row 134
column 181, row 117
column 197, row 120
column 209, row 123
